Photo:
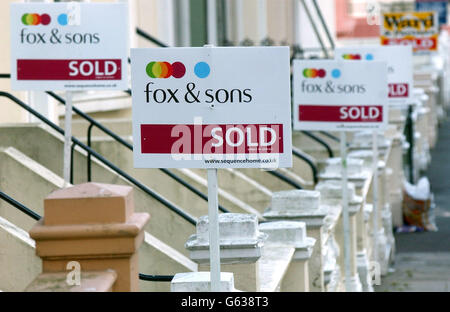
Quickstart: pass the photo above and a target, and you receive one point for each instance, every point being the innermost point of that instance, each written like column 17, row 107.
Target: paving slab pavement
column 423, row 259
column 418, row 271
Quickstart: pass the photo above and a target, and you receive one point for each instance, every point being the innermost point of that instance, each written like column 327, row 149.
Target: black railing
column 409, row 131
column 106, row 162
column 20, row 206
column 285, row 179
column 150, row 38
column 329, row 135
column 324, row 24
column 320, row 141
column 298, row 153
column 314, row 27
column 37, row 217
column 155, row 278
column 117, row 138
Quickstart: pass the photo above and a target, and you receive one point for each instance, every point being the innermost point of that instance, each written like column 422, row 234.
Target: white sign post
column 375, row 193
column 67, row 139
column 211, row 108
column 400, row 86
column 339, row 96
column 214, row 239
column 345, row 214
column 69, row 46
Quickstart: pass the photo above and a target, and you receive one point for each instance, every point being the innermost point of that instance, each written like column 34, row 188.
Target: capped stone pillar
column 303, row 205
column 363, row 140
column 357, row 172
column 395, row 176
column 331, row 192
column 364, row 228
column 386, row 227
column 240, row 247
column 94, row 225
column 291, row 234
column 200, row 282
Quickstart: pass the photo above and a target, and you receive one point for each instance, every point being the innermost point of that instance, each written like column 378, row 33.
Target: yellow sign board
column 419, row 29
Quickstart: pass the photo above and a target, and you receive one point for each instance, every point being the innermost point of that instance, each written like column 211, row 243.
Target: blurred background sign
column 434, row 5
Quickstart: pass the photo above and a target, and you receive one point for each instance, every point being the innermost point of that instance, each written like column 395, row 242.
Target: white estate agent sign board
column 400, row 67
column 211, row 107
column 340, row 96
column 69, row 46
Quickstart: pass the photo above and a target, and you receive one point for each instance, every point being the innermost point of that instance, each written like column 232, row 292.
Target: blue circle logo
column 369, row 57
column 336, row 73
column 202, row 70
column 62, row 19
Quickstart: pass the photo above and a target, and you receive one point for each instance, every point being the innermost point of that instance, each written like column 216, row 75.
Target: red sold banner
column 90, row 69
column 398, row 90
column 418, row 44
column 211, row 139
column 338, row 113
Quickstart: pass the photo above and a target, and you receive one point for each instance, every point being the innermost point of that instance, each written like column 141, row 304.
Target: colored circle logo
column 202, row 70
column 351, row 56
column 62, row 19
column 165, row 69
column 178, row 70
column 34, row 19
column 336, row 73
column 314, row 73
column 369, row 57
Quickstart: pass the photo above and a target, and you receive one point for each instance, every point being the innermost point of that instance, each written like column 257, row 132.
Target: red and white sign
column 216, row 139
column 69, row 46
column 211, row 107
column 398, row 90
column 418, row 44
column 400, row 67
column 339, row 96
column 69, row 69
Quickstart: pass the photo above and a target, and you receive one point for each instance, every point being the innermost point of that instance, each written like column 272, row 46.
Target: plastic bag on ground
column 418, row 205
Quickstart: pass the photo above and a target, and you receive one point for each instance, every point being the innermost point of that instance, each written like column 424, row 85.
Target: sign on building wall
column 340, row 96
column 419, row 29
column 399, row 67
column 69, row 46
column 211, row 107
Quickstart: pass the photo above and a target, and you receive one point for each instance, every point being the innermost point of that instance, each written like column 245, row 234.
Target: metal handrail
column 156, row 278
column 320, row 141
column 324, row 24
column 149, row 37
column 315, row 171
column 314, row 27
column 106, row 162
column 329, row 135
column 409, row 131
column 123, row 142
column 37, row 217
column 284, row 178
column 20, row 206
